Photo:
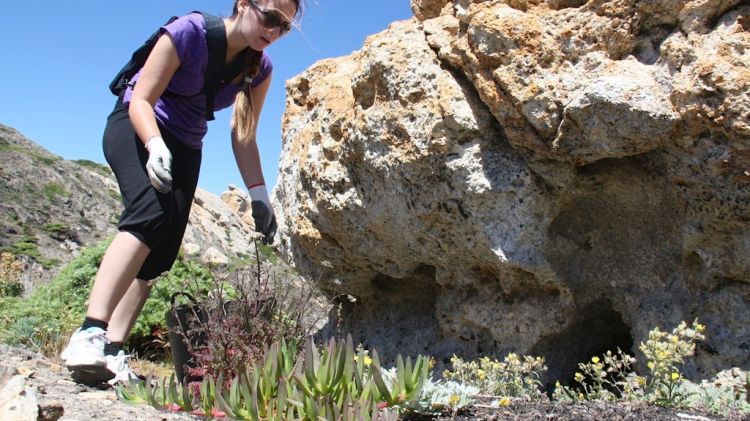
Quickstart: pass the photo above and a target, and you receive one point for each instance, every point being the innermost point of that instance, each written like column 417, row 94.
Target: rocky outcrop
column 547, row 177
column 220, row 228
column 51, row 207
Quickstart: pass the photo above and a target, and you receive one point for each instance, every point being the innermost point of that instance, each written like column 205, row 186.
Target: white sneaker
column 84, row 355
column 118, row 364
column 86, row 347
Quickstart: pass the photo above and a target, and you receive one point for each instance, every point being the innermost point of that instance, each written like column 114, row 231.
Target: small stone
column 6, row 373
column 26, row 371
column 50, row 411
column 55, row 368
column 18, row 402
column 103, row 395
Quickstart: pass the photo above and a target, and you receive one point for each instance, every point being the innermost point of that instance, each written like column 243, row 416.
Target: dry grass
column 150, row 368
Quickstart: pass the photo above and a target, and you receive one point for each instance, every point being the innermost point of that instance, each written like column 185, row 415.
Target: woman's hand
column 159, row 165
column 263, row 214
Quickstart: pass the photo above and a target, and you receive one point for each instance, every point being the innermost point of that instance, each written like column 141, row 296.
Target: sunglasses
column 272, row 19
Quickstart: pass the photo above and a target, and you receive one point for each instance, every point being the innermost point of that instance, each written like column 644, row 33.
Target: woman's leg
column 118, row 269
column 127, row 311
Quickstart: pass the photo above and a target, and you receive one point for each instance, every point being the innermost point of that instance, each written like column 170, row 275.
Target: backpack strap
column 218, row 74
column 216, row 39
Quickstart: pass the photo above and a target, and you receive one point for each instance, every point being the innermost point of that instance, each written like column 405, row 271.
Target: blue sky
column 59, row 56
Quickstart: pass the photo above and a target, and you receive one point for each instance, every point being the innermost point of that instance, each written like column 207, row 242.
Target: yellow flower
column 595, row 360
column 481, row 374
column 504, row 401
column 650, row 365
column 579, row 376
column 453, row 400
column 675, row 376
column 368, row 361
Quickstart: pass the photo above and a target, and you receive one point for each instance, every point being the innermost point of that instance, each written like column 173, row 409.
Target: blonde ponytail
column 243, row 116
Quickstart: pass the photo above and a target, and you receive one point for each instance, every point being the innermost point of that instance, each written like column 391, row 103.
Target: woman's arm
column 248, row 162
column 158, row 70
column 246, row 150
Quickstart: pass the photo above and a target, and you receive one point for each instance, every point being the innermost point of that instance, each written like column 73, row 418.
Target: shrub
column 515, row 376
column 10, row 276
column 614, row 377
column 45, row 319
column 53, row 310
column 58, row 231
column 100, row 168
column 665, row 353
column 246, row 312
column 28, row 246
column 54, row 190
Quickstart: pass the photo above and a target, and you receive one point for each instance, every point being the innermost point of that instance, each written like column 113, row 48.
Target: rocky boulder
column 544, row 177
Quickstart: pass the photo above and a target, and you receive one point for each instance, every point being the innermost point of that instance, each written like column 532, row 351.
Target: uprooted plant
column 244, row 312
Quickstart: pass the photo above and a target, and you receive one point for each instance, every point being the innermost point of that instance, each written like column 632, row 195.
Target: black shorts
column 157, row 219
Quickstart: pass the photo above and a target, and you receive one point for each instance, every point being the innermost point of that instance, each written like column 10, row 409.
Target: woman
column 153, row 143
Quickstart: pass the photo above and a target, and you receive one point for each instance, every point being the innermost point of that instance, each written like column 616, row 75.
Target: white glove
column 263, row 215
column 159, row 165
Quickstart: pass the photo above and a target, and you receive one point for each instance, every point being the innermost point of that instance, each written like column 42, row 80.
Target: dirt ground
column 55, row 389
column 587, row 411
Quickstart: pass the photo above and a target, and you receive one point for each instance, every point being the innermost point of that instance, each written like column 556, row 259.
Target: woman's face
column 264, row 21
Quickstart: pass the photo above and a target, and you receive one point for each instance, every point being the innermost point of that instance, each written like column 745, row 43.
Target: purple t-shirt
column 185, row 116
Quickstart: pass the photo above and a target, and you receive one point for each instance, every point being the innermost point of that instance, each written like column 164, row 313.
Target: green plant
column 517, row 376
column 44, row 158
column 100, row 168
column 717, row 397
column 28, row 246
column 613, row 377
column 54, row 190
column 608, row 378
column 328, row 384
column 441, row 396
column 57, row 230
column 44, row 320
column 261, row 393
column 665, row 352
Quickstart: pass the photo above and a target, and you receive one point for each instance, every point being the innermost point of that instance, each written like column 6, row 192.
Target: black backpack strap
column 216, row 38
column 218, row 74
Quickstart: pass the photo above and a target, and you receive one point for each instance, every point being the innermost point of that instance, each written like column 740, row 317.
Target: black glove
column 265, row 220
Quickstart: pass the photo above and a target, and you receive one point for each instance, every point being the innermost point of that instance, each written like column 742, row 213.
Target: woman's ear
column 242, row 6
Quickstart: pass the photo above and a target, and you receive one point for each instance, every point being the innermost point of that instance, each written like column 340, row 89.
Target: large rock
column 553, row 178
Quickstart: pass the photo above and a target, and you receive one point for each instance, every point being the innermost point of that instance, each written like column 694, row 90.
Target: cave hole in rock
column 596, row 329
